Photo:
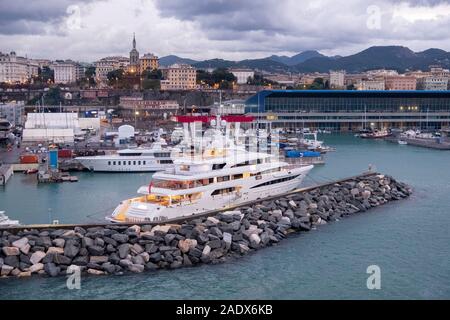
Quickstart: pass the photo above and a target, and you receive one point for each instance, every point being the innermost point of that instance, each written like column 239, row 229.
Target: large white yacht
column 139, row 159
column 219, row 176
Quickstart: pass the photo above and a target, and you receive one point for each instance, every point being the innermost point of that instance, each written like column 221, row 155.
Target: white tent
column 52, row 121
column 48, row 135
column 56, row 127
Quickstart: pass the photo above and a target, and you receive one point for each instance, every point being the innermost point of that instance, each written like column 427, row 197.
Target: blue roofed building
column 351, row 110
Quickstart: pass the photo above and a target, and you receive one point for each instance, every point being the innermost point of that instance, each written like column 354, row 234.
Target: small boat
column 5, row 221
column 301, row 154
column 31, row 171
column 402, row 142
column 376, row 134
column 310, row 141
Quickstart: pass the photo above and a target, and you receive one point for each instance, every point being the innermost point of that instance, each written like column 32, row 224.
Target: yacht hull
column 126, row 165
column 250, row 190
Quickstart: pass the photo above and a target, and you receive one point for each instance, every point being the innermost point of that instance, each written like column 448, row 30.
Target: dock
column 6, row 171
column 55, row 176
column 424, row 143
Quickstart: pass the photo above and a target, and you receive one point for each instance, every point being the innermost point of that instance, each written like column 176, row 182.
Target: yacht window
column 139, row 162
column 165, row 161
column 114, row 163
column 129, row 163
column 218, row 166
column 259, row 161
column 274, row 181
column 211, row 180
column 134, row 163
column 184, row 168
column 224, row 178
column 143, row 162
column 223, row 191
column 246, row 163
column 119, row 163
column 161, row 154
column 238, row 176
column 109, row 163
column 131, row 154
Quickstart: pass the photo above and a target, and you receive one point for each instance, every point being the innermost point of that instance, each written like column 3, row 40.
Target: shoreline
column 116, row 249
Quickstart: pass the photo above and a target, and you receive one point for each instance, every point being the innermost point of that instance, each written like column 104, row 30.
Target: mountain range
column 378, row 57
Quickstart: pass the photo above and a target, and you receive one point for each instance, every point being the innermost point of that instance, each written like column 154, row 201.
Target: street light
column 136, row 113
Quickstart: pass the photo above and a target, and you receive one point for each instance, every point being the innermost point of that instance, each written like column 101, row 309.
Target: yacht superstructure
column 222, row 175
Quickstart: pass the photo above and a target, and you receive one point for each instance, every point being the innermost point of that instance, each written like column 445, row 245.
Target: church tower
column 134, row 57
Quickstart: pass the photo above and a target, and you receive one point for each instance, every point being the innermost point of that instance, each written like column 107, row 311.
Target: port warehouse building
column 350, row 110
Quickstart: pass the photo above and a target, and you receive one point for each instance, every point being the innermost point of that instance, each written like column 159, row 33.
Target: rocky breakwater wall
column 114, row 249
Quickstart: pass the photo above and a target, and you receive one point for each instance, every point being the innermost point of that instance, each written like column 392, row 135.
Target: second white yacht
column 139, row 159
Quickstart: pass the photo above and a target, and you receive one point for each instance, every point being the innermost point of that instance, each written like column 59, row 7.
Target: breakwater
column 114, row 249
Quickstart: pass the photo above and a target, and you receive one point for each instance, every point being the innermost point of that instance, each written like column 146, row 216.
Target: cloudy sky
column 87, row 30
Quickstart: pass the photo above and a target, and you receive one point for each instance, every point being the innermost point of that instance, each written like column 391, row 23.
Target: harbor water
column 409, row 240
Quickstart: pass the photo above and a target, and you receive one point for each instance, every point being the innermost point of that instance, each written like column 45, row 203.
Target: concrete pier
column 6, row 171
column 425, row 143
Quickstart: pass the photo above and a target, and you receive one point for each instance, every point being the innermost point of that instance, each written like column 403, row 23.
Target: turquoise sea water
column 409, row 240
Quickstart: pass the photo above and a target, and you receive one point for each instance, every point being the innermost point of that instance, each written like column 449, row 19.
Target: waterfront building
column 354, row 79
column 42, row 62
column 381, row 73
column 433, row 83
column 13, row 112
column 108, row 64
column 307, row 79
column 438, row 71
column 242, row 75
column 372, row 84
column 179, row 77
column 337, row 79
column 15, row 69
column 284, row 79
column 229, row 107
column 67, row 71
column 400, row 83
column 148, row 61
column 138, row 106
column 344, row 110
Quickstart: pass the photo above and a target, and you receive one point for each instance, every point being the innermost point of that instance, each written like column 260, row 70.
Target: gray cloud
column 33, row 17
column 299, row 25
column 232, row 29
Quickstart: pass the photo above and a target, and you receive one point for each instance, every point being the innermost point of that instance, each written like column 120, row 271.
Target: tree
column 89, row 78
column 318, row 84
column 259, row 80
column 151, row 79
column 115, row 78
column 45, row 75
column 53, row 96
column 154, row 74
column 220, row 77
column 90, row 72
